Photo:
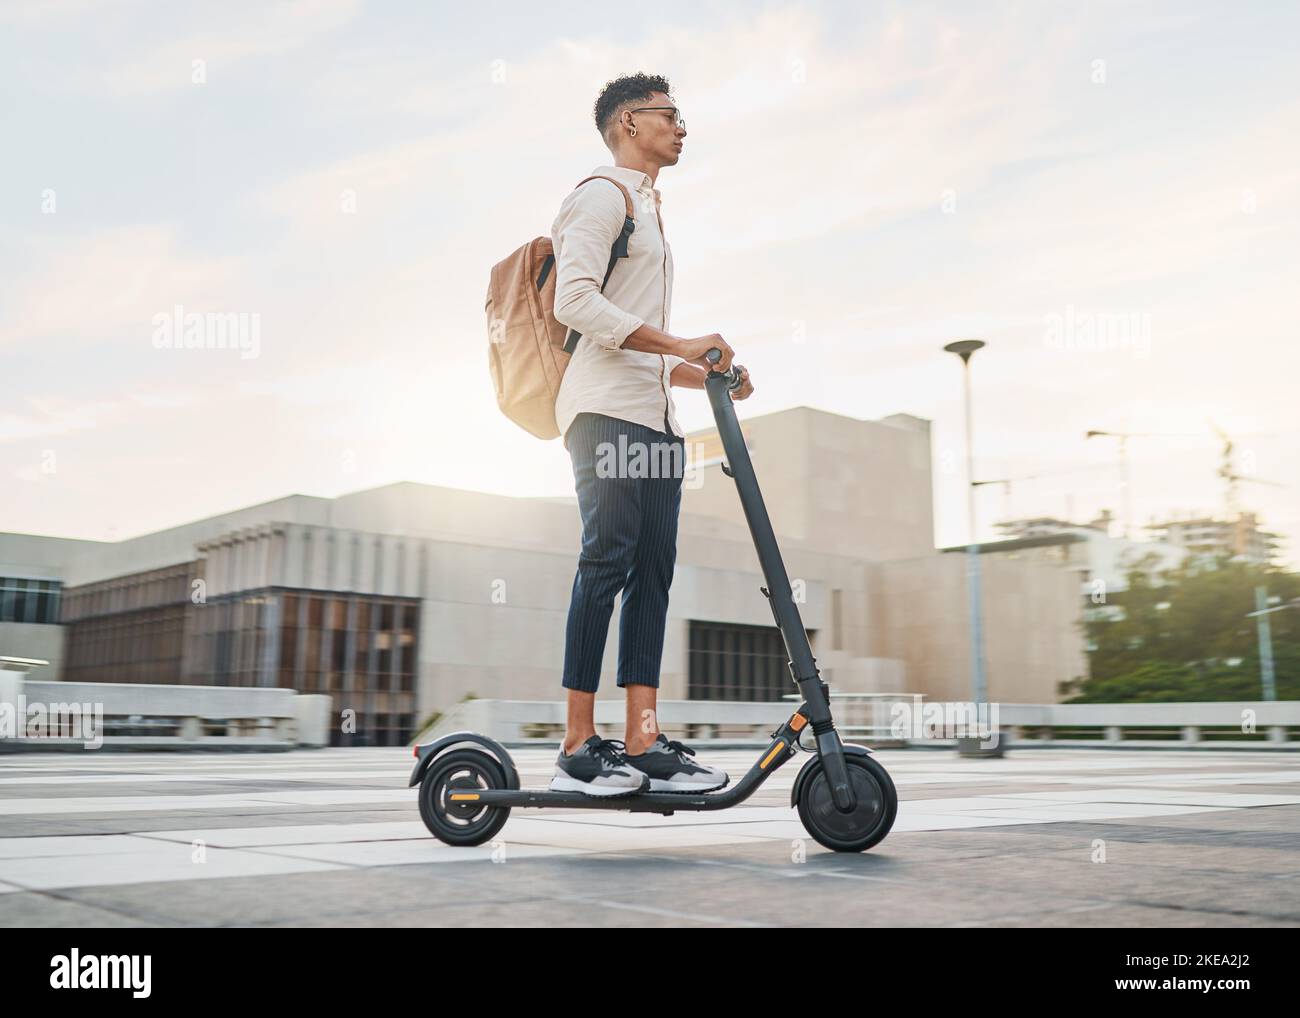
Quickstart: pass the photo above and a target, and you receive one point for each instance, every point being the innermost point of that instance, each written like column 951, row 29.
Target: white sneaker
column 670, row 771
column 598, row 767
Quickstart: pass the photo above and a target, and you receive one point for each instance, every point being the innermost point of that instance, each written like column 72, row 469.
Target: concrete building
column 399, row 601
column 1206, row 537
column 33, row 572
column 1101, row 562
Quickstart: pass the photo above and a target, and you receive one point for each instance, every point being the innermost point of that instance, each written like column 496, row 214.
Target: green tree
column 1184, row 635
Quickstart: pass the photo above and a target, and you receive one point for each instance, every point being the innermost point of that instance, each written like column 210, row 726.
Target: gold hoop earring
column 632, row 133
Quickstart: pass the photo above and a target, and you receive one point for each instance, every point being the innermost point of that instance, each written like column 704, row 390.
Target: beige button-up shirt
column 602, row 377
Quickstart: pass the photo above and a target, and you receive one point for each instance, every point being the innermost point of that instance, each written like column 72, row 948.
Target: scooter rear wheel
column 868, row 824
column 462, row 822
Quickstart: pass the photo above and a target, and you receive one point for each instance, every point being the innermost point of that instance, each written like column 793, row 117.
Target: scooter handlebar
column 734, row 380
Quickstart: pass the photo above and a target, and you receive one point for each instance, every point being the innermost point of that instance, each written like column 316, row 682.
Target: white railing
column 1236, row 724
column 52, row 715
column 541, row 722
column 874, row 719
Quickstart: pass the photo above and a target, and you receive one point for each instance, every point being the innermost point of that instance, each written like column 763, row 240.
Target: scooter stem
column 803, row 665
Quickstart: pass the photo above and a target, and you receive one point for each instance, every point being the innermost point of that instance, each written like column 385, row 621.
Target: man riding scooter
column 616, row 393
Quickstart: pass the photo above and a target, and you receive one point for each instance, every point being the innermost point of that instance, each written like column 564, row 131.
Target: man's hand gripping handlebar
column 733, row 376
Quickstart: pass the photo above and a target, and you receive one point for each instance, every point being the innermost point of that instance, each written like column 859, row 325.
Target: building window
column 736, row 662
column 130, row 628
column 27, row 600
column 360, row 650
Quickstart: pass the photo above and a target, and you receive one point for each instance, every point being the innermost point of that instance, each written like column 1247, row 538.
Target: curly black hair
column 630, row 88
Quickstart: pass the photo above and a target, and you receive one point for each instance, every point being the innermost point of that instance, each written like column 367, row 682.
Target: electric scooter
column 845, row 798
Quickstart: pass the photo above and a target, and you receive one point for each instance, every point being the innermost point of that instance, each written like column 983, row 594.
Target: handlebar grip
column 734, row 381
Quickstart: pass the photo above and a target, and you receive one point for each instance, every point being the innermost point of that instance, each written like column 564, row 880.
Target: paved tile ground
column 1043, row 837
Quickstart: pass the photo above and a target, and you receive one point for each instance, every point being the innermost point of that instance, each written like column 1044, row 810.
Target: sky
column 1108, row 194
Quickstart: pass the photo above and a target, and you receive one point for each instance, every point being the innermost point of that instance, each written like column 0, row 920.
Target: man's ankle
column 638, row 744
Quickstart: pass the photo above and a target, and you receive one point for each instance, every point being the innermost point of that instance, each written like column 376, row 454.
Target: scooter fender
column 428, row 752
column 849, row 750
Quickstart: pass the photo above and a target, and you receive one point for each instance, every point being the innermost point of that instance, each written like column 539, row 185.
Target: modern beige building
column 400, row 600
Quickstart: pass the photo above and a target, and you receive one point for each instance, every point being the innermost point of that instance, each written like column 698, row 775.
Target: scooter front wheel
column 446, row 806
column 857, row 831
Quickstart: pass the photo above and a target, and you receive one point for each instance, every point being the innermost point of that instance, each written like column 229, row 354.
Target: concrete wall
column 30, row 640
column 43, row 558
column 1032, row 633
column 31, row 556
column 176, row 544
column 514, row 648
column 853, row 487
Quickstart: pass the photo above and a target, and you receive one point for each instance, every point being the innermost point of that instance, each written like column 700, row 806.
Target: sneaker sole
column 559, row 784
column 657, row 785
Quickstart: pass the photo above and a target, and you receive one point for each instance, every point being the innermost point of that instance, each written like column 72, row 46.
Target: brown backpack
column 528, row 349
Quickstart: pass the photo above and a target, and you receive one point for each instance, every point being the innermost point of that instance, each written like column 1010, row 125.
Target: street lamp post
column 1260, row 615
column 963, row 349
column 1266, row 674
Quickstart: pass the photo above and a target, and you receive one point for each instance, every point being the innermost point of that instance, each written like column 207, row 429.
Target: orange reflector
column 775, row 749
column 798, row 721
column 464, row 795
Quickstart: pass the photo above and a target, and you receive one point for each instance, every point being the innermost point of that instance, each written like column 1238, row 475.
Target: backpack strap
column 619, row 250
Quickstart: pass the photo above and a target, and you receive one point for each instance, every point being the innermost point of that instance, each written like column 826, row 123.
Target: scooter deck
column 637, row 802
column 784, row 745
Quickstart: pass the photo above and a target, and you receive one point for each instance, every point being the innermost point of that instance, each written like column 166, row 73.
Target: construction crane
column 1124, row 436
column 1007, row 482
column 1228, row 473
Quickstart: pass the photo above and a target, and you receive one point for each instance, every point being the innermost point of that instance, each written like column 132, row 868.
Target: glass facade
column 737, row 662
column 359, row 649
column 130, row 628
column 27, row 600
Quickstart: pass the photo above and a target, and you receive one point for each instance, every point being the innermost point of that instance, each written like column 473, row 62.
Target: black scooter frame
column 814, row 710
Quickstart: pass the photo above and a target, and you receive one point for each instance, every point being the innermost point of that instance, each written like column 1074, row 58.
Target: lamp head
column 963, row 348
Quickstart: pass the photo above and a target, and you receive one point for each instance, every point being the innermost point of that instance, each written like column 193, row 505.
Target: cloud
column 50, row 417
column 244, row 32
column 90, row 287
column 822, row 141
column 44, row 13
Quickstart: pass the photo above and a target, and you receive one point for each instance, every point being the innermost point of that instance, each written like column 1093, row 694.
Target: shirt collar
column 636, row 180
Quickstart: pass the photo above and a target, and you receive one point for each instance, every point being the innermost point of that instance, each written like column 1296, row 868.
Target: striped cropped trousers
column 629, row 485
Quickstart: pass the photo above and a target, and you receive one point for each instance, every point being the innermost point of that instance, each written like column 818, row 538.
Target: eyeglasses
column 676, row 114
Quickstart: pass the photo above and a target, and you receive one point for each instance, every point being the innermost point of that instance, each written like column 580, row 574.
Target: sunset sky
column 861, row 184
